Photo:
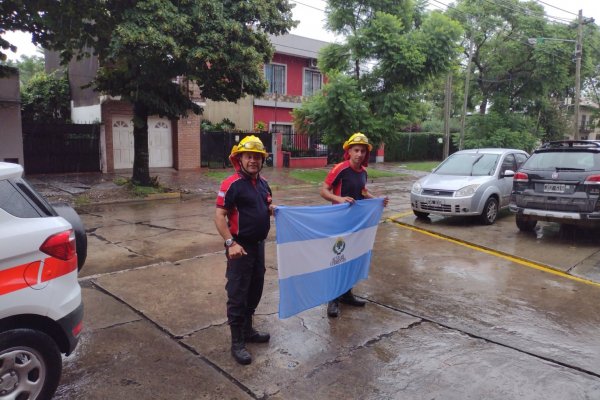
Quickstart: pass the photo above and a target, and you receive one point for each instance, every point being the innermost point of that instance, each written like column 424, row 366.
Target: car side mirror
column 508, row 173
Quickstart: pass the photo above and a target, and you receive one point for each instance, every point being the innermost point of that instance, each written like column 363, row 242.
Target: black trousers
column 245, row 282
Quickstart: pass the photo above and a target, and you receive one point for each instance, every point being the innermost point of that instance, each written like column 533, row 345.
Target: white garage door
column 160, row 143
column 122, row 130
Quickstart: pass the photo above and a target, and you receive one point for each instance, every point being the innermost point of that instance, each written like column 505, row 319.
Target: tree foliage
column 391, row 50
column 337, row 111
column 522, row 62
column 28, row 66
column 513, row 131
column 46, row 97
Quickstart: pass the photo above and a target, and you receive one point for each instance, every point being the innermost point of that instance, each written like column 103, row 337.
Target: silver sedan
column 475, row 182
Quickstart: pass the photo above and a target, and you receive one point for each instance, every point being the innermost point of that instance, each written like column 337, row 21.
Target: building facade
column 11, row 136
column 588, row 120
column 292, row 76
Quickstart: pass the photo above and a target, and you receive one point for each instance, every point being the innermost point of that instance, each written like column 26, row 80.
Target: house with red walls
column 292, row 77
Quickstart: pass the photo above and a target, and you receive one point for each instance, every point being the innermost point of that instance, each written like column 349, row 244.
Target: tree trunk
column 483, row 106
column 141, row 165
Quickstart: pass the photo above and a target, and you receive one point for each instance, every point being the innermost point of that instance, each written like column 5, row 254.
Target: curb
column 155, row 196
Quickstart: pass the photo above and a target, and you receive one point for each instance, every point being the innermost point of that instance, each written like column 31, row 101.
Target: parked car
column 475, row 182
column 559, row 183
column 40, row 298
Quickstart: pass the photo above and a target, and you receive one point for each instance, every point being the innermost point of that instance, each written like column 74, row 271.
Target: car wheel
column 524, row 224
column 67, row 212
column 421, row 214
column 30, row 365
column 490, row 211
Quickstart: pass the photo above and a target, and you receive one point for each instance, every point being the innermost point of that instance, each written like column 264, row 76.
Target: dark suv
column 560, row 182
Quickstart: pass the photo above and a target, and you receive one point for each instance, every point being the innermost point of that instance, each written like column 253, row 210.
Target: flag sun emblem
column 339, row 246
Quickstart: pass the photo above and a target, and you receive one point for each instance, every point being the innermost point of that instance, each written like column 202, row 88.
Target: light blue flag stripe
column 301, row 292
column 315, row 222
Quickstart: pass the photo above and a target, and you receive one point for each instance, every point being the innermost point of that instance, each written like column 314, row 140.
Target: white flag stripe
column 304, row 256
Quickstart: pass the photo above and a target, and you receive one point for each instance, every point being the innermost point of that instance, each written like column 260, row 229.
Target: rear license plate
column 554, row 188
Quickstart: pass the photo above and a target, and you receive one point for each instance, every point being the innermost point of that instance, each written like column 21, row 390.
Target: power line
column 544, row 15
column 307, row 5
column 560, row 9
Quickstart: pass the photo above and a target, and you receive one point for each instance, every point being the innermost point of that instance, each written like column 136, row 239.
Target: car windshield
column 469, row 164
column 563, row 160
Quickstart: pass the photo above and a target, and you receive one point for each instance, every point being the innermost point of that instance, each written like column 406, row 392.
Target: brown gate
column 60, row 148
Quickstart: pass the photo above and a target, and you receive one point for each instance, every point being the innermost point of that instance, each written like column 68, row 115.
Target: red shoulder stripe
column 335, row 171
column 225, row 185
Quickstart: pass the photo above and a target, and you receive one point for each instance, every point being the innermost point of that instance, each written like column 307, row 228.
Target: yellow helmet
column 251, row 144
column 357, row 138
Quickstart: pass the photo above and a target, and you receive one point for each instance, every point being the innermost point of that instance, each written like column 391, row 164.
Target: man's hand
column 346, row 199
column 235, row 251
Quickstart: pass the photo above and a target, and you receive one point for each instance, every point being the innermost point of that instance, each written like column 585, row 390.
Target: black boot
column 349, row 298
column 251, row 335
column 238, row 349
column 333, row 308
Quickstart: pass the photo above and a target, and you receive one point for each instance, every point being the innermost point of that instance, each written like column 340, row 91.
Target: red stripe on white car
column 28, row 275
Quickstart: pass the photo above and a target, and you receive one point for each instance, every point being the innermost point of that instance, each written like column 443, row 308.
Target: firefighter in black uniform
column 346, row 182
column 243, row 220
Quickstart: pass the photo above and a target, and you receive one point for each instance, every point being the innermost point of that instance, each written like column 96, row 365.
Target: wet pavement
column 448, row 315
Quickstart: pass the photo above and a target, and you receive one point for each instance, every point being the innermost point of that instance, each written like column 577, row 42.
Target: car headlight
column 416, row 188
column 467, row 191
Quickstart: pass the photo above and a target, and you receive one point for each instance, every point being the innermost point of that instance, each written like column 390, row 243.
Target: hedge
column 416, row 146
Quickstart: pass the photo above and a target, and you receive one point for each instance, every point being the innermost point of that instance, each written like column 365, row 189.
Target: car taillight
column 592, row 180
column 77, row 330
column 521, row 177
column 60, row 245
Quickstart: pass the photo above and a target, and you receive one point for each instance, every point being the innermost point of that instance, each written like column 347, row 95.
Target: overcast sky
column 312, row 19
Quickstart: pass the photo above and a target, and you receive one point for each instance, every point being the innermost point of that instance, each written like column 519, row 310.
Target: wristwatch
column 229, row 242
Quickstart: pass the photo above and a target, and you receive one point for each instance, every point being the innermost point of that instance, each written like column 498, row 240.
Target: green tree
column 500, row 130
column 338, row 110
column 513, row 73
column 144, row 46
column 28, row 66
column 46, row 97
column 391, row 50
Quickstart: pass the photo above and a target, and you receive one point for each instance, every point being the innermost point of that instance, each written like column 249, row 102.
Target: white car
column 475, row 182
column 41, row 310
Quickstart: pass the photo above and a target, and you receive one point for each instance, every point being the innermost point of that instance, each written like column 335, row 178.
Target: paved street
column 449, row 315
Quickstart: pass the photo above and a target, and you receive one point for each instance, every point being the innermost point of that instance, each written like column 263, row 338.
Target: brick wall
column 186, row 146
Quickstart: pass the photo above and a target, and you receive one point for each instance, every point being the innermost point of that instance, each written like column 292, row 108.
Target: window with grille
column 275, row 76
column 312, row 82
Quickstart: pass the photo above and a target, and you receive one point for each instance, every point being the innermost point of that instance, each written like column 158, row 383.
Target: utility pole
column 578, row 52
column 466, row 97
column 447, row 107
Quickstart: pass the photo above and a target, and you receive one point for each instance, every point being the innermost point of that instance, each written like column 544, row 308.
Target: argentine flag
column 322, row 251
